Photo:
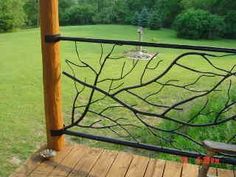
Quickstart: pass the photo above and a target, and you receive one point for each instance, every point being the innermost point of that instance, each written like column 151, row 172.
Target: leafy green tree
column 79, row 15
column 216, row 27
column 230, row 25
column 11, row 15
column 104, row 17
column 168, row 10
column 31, row 9
column 17, row 13
column 64, row 6
column 135, row 5
column 196, row 24
column 199, row 4
column 222, row 7
column 155, row 21
column 120, row 11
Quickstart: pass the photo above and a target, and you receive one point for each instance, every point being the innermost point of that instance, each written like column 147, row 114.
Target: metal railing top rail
column 56, row 38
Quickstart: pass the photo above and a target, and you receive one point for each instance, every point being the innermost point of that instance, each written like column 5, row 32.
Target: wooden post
column 49, row 22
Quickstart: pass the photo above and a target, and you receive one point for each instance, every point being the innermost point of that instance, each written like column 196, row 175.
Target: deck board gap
column 94, row 164
column 111, row 165
column 163, row 172
column 68, row 164
column 75, row 165
column 129, row 165
column 146, row 167
column 181, row 171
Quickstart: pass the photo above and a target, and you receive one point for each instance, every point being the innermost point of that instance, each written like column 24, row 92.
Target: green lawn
column 21, row 99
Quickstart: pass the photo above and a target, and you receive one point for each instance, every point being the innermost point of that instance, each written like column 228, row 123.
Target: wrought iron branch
column 117, row 94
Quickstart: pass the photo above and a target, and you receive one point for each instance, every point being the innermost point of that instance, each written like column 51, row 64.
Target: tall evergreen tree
column 135, row 20
column 144, row 17
column 155, row 21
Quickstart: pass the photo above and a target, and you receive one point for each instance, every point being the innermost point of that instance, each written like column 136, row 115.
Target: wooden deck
column 83, row 161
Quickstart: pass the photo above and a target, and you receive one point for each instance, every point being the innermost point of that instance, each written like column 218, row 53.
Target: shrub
column 31, row 9
column 11, row 15
column 155, row 21
column 6, row 23
column 196, row 24
column 79, row 15
column 216, row 27
column 168, row 10
column 104, row 16
column 119, row 12
column 230, row 25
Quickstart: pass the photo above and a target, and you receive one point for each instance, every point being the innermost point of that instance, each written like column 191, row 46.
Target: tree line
column 191, row 18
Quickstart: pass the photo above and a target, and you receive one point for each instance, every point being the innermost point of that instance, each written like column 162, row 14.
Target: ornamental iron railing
column 167, row 98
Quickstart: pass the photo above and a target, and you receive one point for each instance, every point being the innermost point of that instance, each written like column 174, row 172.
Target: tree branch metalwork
column 136, row 98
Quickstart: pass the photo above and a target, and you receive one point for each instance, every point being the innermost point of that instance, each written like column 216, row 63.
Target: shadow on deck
column 83, row 161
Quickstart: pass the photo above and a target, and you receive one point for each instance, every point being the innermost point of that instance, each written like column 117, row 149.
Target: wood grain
column 212, row 171
column 225, row 173
column 69, row 162
column 83, row 161
column 155, row 168
column 103, row 164
column 172, row 169
column 49, row 23
column 120, row 165
column 86, row 163
column 137, row 167
column 190, row 169
column 47, row 166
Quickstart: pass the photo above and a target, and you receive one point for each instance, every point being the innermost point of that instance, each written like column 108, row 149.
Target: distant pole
column 49, row 23
column 140, row 37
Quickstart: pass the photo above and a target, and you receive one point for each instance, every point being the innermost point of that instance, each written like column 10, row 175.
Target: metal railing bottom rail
column 172, row 151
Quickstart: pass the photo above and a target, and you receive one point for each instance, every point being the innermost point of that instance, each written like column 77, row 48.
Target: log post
column 49, row 23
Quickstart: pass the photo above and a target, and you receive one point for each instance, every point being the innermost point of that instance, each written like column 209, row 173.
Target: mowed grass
column 21, row 91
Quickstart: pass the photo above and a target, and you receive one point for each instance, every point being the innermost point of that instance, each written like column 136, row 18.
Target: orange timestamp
column 202, row 160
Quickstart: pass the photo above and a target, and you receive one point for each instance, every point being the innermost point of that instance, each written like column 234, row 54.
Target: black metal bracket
column 57, row 132
column 52, row 38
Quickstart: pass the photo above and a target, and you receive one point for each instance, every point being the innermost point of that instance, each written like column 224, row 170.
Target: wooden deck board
column 83, row 161
column 120, row 165
column 69, row 162
column 190, row 169
column 84, row 166
column 225, row 173
column 212, row 171
column 45, row 168
column 103, row 164
column 173, row 169
column 155, row 168
column 137, row 167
